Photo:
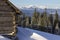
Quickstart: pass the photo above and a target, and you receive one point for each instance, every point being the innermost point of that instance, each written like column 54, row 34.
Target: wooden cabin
column 8, row 18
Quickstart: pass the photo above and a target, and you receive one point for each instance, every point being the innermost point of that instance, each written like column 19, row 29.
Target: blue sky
column 49, row 3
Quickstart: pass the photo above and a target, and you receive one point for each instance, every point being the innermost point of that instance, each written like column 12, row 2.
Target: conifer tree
column 45, row 18
column 55, row 22
column 51, row 21
column 42, row 20
column 35, row 17
column 27, row 20
column 39, row 20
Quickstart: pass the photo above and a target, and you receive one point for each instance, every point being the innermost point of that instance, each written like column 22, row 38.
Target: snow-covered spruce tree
column 39, row 19
column 21, row 19
column 45, row 18
column 43, row 21
column 59, row 27
column 56, row 19
column 35, row 18
column 23, row 22
column 27, row 21
column 51, row 21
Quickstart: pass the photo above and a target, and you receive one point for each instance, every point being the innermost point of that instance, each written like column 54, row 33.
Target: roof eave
column 15, row 8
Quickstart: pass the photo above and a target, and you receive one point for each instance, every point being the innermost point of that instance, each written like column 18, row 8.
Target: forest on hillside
column 41, row 21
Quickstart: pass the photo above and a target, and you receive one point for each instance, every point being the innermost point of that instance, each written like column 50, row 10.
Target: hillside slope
column 29, row 34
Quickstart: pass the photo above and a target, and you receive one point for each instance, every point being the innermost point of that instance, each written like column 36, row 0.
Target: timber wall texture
column 7, row 18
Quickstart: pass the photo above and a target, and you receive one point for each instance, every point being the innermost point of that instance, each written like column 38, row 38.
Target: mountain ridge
column 30, row 10
column 41, row 7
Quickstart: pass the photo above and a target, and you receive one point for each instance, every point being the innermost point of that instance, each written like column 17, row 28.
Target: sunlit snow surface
column 29, row 34
column 3, row 38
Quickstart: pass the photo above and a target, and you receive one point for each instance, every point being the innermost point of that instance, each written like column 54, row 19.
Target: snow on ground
column 29, row 34
column 3, row 38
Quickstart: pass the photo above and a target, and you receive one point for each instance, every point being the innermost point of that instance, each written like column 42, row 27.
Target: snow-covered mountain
column 28, row 10
column 37, row 6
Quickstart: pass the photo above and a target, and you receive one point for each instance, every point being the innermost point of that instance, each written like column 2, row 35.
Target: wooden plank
column 7, row 17
column 2, row 3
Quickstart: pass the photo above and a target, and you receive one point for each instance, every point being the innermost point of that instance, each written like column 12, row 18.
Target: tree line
column 42, row 21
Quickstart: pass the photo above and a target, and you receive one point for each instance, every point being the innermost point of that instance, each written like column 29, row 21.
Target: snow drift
column 3, row 38
column 29, row 34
